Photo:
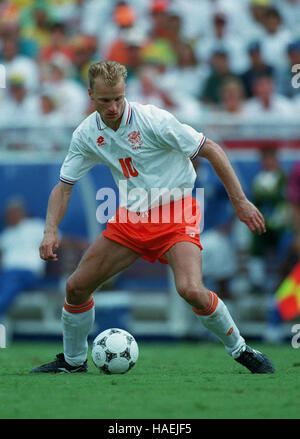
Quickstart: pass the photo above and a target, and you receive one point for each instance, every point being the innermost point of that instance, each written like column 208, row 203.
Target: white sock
column 77, row 322
column 217, row 319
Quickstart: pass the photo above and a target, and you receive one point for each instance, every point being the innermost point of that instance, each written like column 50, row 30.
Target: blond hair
column 111, row 73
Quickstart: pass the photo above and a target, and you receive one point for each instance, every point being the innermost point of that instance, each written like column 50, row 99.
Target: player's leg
column 186, row 261
column 103, row 259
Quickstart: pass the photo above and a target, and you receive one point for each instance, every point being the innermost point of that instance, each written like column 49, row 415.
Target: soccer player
column 148, row 148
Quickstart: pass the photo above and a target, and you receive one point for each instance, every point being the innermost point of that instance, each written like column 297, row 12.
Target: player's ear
column 90, row 92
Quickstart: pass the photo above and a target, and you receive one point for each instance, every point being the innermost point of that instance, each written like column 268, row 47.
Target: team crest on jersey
column 135, row 139
column 101, row 141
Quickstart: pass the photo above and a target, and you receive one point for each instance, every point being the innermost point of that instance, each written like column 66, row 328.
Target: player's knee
column 75, row 292
column 196, row 295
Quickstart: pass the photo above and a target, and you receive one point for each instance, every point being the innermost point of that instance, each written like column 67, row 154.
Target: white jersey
column 19, row 245
column 149, row 155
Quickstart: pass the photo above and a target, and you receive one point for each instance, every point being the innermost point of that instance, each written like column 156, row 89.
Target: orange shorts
column 155, row 231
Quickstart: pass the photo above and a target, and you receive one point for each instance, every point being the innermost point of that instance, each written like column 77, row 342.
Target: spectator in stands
column 290, row 13
column 19, row 108
column 134, row 40
column 257, row 68
column 187, row 75
column 104, row 20
column 232, row 100
column 275, row 41
column 266, row 103
column 35, row 22
column 49, row 116
column 146, row 89
column 159, row 19
column 49, row 133
column 151, row 87
column 21, row 266
column 26, row 47
column 71, row 12
column 159, row 52
column 58, row 43
column 95, row 18
column 223, row 40
column 220, row 72
column 258, row 10
column 163, row 35
column 84, row 48
column 284, row 76
column 70, row 96
column 125, row 17
column 269, row 193
column 245, row 17
column 17, row 64
column 9, row 13
column 174, row 25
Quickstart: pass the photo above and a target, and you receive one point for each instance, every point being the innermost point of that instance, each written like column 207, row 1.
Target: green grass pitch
column 169, row 381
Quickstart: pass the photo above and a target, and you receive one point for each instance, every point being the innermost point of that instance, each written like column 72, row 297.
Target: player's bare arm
column 245, row 210
column 57, row 207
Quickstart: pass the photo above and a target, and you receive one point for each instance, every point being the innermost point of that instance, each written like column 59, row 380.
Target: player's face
column 109, row 101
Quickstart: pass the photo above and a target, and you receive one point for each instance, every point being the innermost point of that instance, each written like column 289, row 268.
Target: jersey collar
column 126, row 118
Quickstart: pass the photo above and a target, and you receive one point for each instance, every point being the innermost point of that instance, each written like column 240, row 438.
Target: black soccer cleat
column 255, row 361
column 60, row 366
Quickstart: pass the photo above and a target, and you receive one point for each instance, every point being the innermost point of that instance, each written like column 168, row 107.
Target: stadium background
column 194, row 58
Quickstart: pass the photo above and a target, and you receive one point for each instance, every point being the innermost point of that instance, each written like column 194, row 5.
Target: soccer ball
column 114, row 351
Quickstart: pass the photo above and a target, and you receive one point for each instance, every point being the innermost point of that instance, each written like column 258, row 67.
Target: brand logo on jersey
column 101, row 141
column 135, row 139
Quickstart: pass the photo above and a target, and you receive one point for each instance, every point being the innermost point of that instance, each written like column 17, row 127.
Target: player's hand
column 48, row 246
column 250, row 215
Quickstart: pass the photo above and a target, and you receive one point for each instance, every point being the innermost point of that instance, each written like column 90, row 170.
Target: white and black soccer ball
column 114, row 351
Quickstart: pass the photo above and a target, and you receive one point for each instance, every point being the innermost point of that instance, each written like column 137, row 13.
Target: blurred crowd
column 199, row 59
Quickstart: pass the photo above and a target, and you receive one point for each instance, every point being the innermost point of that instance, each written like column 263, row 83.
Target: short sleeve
column 78, row 161
column 179, row 136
